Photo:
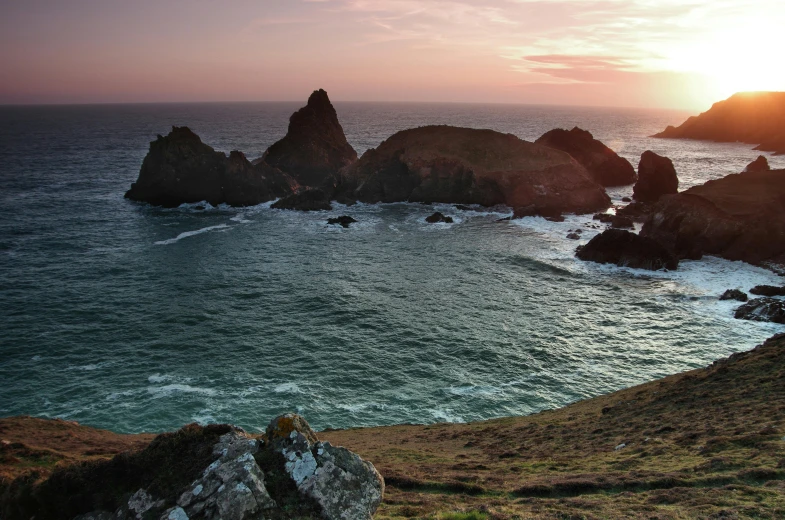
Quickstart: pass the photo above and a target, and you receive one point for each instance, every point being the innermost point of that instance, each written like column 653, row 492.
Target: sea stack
column 656, row 177
column 315, row 147
column 469, row 166
column 180, row 168
column 761, row 164
column 604, row 165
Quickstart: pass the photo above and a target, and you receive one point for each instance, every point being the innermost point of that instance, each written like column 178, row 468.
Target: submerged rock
column 179, row 169
column 604, row 165
column 469, row 166
column 343, row 220
column 656, row 177
column 734, row 294
column 768, row 290
column 761, row 164
column 762, row 309
column 308, row 200
column 438, row 217
column 315, row 147
column 625, row 249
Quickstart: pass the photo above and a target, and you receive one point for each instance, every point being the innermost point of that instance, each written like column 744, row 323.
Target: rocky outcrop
column 767, row 290
column 734, row 294
column 308, row 200
column 213, row 472
column 343, row 220
column 468, row 166
column 179, row 169
column 604, row 165
column 656, row 177
column 315, row 147
column 626, row 249
column 438, row 217
column 738, row 217
column 760, row 164
column 748, row 117
column 762, row 309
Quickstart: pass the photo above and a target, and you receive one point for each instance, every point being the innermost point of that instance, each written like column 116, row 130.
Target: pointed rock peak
column 580, row 132
column 319, row 98
column 184, row 133
column 761, row 164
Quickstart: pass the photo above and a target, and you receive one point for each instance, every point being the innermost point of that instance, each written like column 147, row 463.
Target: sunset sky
column 657, row 53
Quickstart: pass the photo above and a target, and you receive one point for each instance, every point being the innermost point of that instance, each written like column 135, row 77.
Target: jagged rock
column 761, row 164
column 768, row 290
column 604, row 165
column 734, row 294
column 179, row 169
column 141, row 502
column 747, row 117
column 469, row 166
column 738, row 217
column 343, row 220
column 339, row 481
column 315, row 147
column 622, row 222
column 656, row 177
column 308, row 200
column 438, row 217
column 625, row 249
column 762, row 309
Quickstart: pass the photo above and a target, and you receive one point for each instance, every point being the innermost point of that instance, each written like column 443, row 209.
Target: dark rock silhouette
column 636, row 211
column 179, row 169
column 626, row 199
column 605, row 218
column 734, row 294
column 622, row 222
column 767, row 290
column 656, row 177
column 468, row 166
column 343, row 220
column 758, row 165
column 438, row 217
column 308, row 200
column 762, row 309
column 748, row 117
column 625, row 249
column 738, row 217
column 573, row 236
column 604, row 165
column 315, row 147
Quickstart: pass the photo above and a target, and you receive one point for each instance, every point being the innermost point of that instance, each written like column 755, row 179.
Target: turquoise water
column 134, row 318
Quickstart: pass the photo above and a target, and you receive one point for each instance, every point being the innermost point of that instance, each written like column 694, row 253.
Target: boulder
column 762, row 309
column 622, row 222
column 469, row 166
column 604, row 165
column 573, row 236
column 179, row 169
column 734, row 294
column 768, row 290
column 761, row 164
column 343, row 220
column 747, row 117
column 656, row 177
column 315, row 147
column 636, row 211
column 438, row 217
column 738, row 217
column 308, row 200
column 625, row 249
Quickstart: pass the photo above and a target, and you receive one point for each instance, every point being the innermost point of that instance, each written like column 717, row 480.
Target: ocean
column 133, row 318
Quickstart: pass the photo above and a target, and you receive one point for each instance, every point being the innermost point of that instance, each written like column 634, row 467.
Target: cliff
column 748, row 117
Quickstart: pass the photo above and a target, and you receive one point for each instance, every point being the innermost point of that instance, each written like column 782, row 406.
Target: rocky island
column 748, row 117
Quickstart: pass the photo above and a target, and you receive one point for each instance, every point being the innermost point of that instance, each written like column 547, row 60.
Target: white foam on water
column 158, row 378
column 204, row 417
column 290, row 388
column 196, row 206
column 240, row 217
column 36, row 358
column 176, row 388
column 445, row 415
column 473, row 390
column 190, row 234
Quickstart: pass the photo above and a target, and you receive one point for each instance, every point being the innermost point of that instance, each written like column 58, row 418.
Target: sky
column 682, row 54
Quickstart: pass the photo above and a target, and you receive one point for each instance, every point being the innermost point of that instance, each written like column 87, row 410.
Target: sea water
column 135, row 318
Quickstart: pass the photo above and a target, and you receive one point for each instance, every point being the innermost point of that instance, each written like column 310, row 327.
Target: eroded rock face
column 762, row 309
column 626, row 249
column 656, row 177
column 180, row 168
column 469, row 166
column 315, row 146
column 738, row 217
column 604, row 165
column 761, row 164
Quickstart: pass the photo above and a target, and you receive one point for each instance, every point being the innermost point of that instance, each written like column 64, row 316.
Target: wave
column 190, row 234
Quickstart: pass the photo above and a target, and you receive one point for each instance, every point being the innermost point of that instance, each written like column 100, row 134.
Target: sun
column 741, row 58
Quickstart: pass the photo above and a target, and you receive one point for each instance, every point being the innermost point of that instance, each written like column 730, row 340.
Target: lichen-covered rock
column 762, row 309
column 656, row 177
column 342, row 484
column 605, row 165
